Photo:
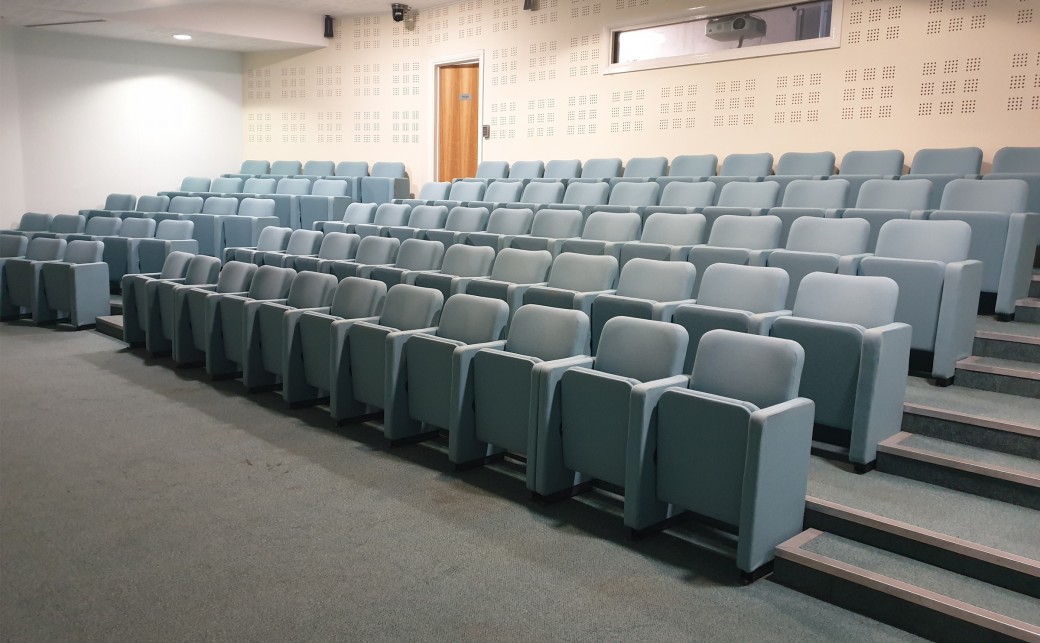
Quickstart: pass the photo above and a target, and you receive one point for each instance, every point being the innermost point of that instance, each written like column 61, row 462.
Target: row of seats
column 379, row 183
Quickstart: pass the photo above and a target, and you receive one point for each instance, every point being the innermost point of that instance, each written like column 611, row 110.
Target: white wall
column 82, row 117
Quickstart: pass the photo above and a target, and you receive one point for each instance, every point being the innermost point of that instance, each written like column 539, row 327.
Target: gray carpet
column 138, row 502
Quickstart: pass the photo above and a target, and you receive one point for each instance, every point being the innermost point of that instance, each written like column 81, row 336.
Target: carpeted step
column 1000, row 476
column 111, row 325
column 1028, row 310
column 116, row 302
column 1009, row 376
column 1007, row 340
column 920, row 598
column 1034, row 287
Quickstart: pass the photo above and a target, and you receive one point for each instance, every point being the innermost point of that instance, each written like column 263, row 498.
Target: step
column 994, row 421
column 1007, row 340
column 1000, row 476
column 1000, row 375
column 903, row 592
column 1028, row 310
column 111, row 325
column 1034, row 287
column 116, row 302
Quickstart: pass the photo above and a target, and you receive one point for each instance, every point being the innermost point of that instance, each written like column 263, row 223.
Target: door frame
column 433, row 104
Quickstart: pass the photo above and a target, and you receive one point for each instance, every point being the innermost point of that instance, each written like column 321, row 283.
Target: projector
column 735, row 28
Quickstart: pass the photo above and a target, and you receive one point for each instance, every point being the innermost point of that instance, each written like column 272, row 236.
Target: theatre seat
column 665, row 237
column 821, row 245
column 461, row 266
column 502, row 226
column 335, row 246
column 575, row 281
column 163, row 299
column 75, row 288
column 514, row 272
column 20, row 289
column 190, row 322
column 135, row 313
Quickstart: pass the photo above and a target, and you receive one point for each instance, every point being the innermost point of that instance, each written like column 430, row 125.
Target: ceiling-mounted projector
column 735, row 27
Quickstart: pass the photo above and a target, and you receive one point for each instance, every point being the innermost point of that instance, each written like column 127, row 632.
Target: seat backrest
column 255, row 166
column 836, row 236
column 764, row 371
column 83, row 252
column 318, row 168
column 510, row 221
column 635, row 194
column 492, row 170
column 201, row 270
column 802, row 193
column 304, row 242
column 463, row 219
column 562, row 169
column 225, row 185
column 427, row 217
column 42, row 249
column 176, row 264
column 420, row 254
column 605, row 168
column 999, row 195
column 468, row 261
column 549, row 333
column 466, row 191
column 135, row 228
column 646, row 167
column 253, row 207
column 688, row 195
column 435, row 190
column 752, row 288
column 517, row 266
column 1023, row 160
column 542, row 193
column 754, row 233
column 185, row 205
column 120, row 202
column 503, row 191
column 153, row 203
column 352, row 168
column 473, row 320
column 673, row 229
column 694, row 165
column 945, row 241
column 311, row 289
column 394, row 170
column 956, row 160
column 195, row 184
column 236, row 276
column 867, row 301
column 69, row 223
column 259, row 186
column 13, row 245
column 876, row 162
column 740, row 194
column 392, row 214
column 657, row 280
column 641, row 349
column 881, row 194
column 583, row 273
column 273, row 238
column 360, row 213
column 612, row 226
column 557, row 224
column 526, row 170
column 220, row 205
column 271, row 282
column 35, row 222
column 326, row 187
column 103, row 226
column 805, row 163
column 338, row 245
column 587, row 193
column 408, row 307
column 377, row 250
column 286, row 168
column 290, row 185
column 356, row 297
column 747, row 165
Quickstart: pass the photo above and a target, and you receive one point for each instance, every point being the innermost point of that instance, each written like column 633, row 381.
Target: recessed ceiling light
column 181, row 36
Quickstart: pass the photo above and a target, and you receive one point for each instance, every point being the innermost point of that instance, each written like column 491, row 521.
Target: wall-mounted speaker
column 329, row 31
column 528, row 5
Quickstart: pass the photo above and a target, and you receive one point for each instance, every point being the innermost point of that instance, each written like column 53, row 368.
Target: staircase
column 943, row 538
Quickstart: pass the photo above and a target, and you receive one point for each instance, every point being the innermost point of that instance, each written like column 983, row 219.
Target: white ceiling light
column 181, row 36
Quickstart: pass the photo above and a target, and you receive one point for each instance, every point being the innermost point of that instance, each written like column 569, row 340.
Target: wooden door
column 459, row 121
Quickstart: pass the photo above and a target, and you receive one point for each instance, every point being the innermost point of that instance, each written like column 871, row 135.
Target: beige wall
column 908, row 75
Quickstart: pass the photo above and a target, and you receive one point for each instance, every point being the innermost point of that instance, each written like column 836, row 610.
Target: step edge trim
column 990, row 471
column 972, row 364
column 977, row 420
column 1010, row 338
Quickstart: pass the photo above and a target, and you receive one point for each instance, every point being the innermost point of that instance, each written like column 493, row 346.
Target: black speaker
column 528, row 5
column 329, row 31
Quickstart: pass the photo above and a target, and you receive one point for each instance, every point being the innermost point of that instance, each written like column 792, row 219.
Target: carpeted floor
column 139, row 502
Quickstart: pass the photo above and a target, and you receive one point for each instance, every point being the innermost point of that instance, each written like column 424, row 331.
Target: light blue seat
column 195, row 306
column 502, row 226
column 163, row 298
column 1004, row 236
column 366, row 355
column 499, row 408
column 856, row 359
column 264, row 348
column 513, row 273
column 135, row 313
column 462, row 192
column 540, row 194
column 335, row 246
column 32, row 223
column 286, row 200
column 255, row 166
column 189, row 184
column 256, row 187
column 603, row 234
column 680, row 197
column 281, row 169
column 233, row 317
column 427, row 389
column 642, row 169
column 745, row 299
column 860, row 166
column 318, row 168
column 600, row 169
column 734, row 446
column 461, row 265
column 351, row 172
column 743, row 167
column 526, row 170
column 372, row 251
column 631, row 197
column 461, row 222
column 209, row 222
column 302, row 243
column 739, row 240
column 121, row 252
column 75, row 288
column 20, row 288
column 938, row 288
column 742, row 199
column 150, row 206
column 243, row 230
column 584, row 196
column 430, row 191
column 942, row 165
column 186, row 205
column 1021, row 163
column 415, row 255
column 420, row 219
column 821, row 245
column 12, row 245
column 692, row 167
column 354, row 214
column 387, row 181
column 665, row 237
column 647, row 289
column 499, row 194
column 60, row 227
column 272, row 239
column 881, row 201
column 809, row 198
column 94, row 229
column 327, row 201
column 307, row 366
column 803, row 166
column 220, row 187
column 575, row 280
column 488, row 171
column 562, row 170
column 113, row 203
column 606, row 426
column 548, row 226
column 387, row 216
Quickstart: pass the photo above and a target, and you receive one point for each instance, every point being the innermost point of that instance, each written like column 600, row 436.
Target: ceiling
column 232, row 25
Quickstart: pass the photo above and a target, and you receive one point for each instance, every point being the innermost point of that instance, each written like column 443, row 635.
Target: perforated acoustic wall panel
column 909, row 74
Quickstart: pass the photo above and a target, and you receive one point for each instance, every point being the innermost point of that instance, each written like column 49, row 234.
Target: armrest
column 849, row 264
column 880, row 389
column 958, row 308
column 583, row 300
column 545, row 471
column 761, row 323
